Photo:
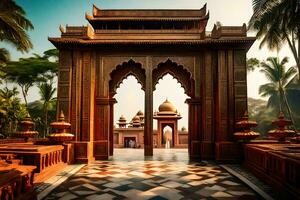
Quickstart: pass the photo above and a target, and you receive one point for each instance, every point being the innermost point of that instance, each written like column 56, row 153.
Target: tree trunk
column 46, row 118
column 298, row 59
column 24, row 96
column 45, row 121
column 289, row 109
column 296, row 54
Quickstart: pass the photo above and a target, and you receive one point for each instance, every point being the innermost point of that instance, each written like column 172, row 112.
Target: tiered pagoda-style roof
column 149, row 26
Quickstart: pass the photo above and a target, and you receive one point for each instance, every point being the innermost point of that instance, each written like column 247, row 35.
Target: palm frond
column 14, row 24
column 4, row 56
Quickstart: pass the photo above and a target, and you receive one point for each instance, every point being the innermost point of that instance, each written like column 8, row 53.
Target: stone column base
column 68, row 153
column 228, row 152
column 101, row 150
column 195, row 150
column 207, row 150
column 83, row 152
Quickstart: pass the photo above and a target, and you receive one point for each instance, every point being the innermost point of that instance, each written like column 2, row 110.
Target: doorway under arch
column 186, row 84
column 121, row 72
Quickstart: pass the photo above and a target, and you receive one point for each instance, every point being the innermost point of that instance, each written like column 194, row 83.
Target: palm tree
column 47, row 92
column 278, row 22
column 279, row 78
column 11, row 109
column 28, row 71
column 13, row 26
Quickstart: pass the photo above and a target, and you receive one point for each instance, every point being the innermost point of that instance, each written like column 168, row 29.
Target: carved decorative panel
column 64, row 91
column 239, row 58
column 64, row 75
column 240, row 74
column 122, row 71
column 188, row 62
column 183, row 76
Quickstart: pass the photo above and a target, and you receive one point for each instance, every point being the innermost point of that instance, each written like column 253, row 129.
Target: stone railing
column 276, row 164
column 16, row 181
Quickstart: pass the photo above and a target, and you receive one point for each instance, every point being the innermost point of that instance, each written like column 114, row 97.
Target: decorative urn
column 61, row 134
column 245, row 125
column 282, row 131
column 26, row 126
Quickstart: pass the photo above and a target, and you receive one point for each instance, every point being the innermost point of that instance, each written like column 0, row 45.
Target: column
column 112, row 101
column 176, row 137
column 194, row 135
column 102, row 128
column 148, row 129
column 83, row 109
column 64, row 83
column 159, row 134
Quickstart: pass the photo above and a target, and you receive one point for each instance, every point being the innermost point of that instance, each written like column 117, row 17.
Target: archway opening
column 167, row 136
column 170, row 113
column 128, row 132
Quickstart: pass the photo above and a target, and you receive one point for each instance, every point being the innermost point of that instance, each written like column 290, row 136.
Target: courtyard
column 167, row 175
column 155, row 100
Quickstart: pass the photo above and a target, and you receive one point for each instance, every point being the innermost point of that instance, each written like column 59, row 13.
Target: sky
column 47, row 15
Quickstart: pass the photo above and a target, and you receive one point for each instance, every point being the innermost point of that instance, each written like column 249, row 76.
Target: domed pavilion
column 167, row 115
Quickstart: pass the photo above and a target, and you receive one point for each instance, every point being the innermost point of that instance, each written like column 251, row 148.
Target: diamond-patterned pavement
column 168, row 175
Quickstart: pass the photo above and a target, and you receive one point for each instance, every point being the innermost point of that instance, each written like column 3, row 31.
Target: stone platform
column 46, row 158
column 278, row 165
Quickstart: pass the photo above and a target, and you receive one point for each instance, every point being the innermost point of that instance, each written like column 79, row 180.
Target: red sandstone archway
column 117, row 76
column 124, row 70
column 184, row 77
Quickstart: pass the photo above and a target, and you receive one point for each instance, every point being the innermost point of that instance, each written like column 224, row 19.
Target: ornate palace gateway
column 211, row 66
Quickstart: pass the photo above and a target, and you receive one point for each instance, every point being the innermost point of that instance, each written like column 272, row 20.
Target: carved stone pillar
column 159, row 135
column 148, row 127
column 175, row 133
column 82, row 109
column 64, row 83
column 231, row 98
column 111, row 127
column 102, row 128
column 194, row 136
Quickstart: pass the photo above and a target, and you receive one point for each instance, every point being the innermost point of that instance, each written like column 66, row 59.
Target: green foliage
column 277, row 88
column 52, row 53
column 36, row 110
column 11, row 111
column 252, row 64
column 4, row 57
column 29, row 71
column 13, row 27
column 47, row 92
column 14, row 24
column 276, row 23
column 283, row 94
column 263, row 114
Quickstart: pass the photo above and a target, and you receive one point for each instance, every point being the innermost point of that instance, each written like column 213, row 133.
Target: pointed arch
column 124, row 70
column 182, row 75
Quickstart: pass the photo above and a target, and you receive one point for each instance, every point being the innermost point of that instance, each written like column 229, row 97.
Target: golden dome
column 167, row 106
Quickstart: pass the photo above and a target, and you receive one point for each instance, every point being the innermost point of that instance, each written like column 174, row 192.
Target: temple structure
column 167, row 115
column 211, row 67
column 131, row 135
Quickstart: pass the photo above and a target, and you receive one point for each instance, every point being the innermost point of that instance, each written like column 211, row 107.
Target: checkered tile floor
column 168, row 175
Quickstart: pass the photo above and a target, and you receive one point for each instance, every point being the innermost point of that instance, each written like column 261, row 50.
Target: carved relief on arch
column 124, row 70
column 182, row 75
